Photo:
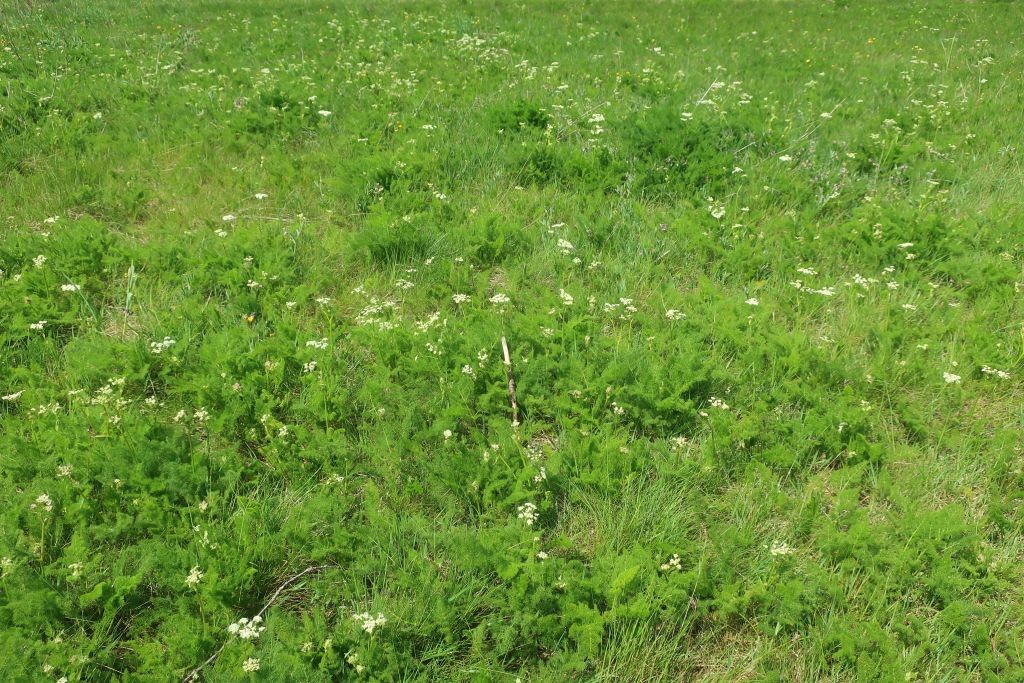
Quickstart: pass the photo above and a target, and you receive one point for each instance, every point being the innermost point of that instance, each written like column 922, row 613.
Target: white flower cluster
column 376, row 314
column 1001, row 374
column 824, row 291
column 779, row 548
column 247, row 629
column 353, row 660
column 528, row 513
column 674, row 564
column 42, row 501
column 158, row 347
column 317, row 343
column 193, row 578
column 717, row 209
column 368, row 622
column 718, row 403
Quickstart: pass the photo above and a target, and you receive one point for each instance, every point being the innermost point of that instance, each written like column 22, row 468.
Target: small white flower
column 69, row 288
column 228, row 217
column 673, row 314
column 158, row 347
column 447, row 434
column 43, row 500
column 674, row 564
column 352, row 658
column 951, row 378
column 247, row 629
column 13, row 397
column 324, row 113
column 566, row 297
column 718, row 403
column 37, row 325
column 460, row 298
column 193, row 578
column 370, row 623
column 752, row 301
column 250, row 665
column 261, row 195
column 1001, row 374
column 38, row 261
column 98, row 115
column 499, row 298
column 779, row 548
column 528, row 513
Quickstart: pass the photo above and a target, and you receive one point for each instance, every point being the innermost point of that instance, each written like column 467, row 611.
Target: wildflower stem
column 511, row 382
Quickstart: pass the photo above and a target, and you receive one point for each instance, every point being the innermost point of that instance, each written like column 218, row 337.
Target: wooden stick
column 192, row 675
column 511, row 383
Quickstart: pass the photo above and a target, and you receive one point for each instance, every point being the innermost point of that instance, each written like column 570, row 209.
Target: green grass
column 763, row 268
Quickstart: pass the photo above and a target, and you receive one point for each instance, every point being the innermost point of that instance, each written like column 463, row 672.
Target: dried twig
column 511, row 383
column 192, row 675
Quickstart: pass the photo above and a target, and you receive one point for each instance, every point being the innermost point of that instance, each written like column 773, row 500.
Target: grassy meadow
column 759, row 266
